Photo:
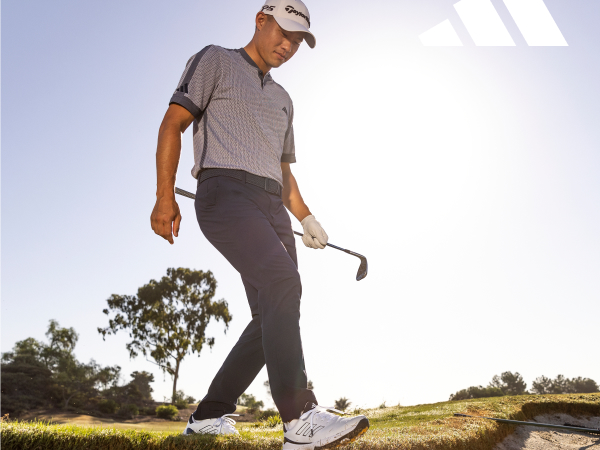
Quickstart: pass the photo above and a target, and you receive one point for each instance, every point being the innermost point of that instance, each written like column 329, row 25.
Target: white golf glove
column 314, row 234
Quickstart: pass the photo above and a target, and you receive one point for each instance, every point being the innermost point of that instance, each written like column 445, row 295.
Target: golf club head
column 363, row 269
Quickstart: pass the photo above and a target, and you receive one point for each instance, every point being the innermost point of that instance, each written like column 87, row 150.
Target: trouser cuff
column 293, row 410
column 212, row 410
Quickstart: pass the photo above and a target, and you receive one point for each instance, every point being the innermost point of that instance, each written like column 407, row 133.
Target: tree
column 26, row 382
column 61, row 345
column 510, row 383
column 138, row 391
column 167, row 319
column 73, row 378
column 477, row 392
column 542, row 385
column 562, row 385
column 584, row 385
column 142, row 381
column 27, row 348
column 250, row 402
column 76, row 379
column 182, row 401
column 342, row 404
column 36, row 373
column 108, row 377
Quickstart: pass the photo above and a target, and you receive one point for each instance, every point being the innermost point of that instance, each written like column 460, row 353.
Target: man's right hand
column 166, row 218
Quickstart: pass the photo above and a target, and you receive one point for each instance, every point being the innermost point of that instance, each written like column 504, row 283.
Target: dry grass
column 421, row 427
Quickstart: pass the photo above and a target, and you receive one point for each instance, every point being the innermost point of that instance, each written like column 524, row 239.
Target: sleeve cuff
column 288, row 158
column 180, row 99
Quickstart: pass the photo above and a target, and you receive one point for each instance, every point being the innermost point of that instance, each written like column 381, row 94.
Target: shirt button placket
column 262, row 79
column 262, row 86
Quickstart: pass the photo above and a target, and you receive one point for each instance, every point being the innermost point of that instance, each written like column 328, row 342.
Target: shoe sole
column 189, row 432
column 360, row 429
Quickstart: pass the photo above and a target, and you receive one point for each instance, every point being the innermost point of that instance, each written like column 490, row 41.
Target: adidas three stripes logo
column 485, row 26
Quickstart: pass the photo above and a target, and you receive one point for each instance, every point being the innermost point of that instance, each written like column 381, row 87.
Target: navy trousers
column 252, row 230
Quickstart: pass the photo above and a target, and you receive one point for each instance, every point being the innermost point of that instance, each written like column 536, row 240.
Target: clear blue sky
column 468, row 176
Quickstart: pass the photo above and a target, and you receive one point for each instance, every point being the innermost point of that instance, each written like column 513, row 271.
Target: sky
column 467, row 175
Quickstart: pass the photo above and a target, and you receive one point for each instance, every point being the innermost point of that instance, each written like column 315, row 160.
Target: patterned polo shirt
column 243, row 119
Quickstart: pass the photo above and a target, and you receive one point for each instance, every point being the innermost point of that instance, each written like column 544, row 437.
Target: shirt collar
column 246, row 56
column 249, row 60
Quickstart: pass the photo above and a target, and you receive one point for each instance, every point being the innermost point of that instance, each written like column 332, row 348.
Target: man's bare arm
column 165, row 218
column 291, row 194
column 314, row 235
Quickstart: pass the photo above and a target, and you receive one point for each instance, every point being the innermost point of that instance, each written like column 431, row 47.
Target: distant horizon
column 527, row 388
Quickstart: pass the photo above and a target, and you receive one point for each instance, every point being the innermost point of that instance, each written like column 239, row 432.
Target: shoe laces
column 225, row 421
column 324, row 415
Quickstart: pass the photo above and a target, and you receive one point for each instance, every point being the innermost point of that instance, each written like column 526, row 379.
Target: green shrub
column 150, row 411
column 167, row 412
column 182, row 401
column 128, row 411
column 26, row 384
column 342, row 404
column 477, row 392
column 250, row 402
column 107, row 406
column 266, row 414
column 267, row 419
column 181, row 404
column 273, row 421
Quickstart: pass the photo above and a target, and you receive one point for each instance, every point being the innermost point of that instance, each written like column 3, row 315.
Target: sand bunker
column 533, row 438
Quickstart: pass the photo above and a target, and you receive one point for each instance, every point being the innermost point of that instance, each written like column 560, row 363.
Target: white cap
column 291, row 15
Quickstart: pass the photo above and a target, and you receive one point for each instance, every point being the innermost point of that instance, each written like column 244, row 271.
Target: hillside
column 430, row 427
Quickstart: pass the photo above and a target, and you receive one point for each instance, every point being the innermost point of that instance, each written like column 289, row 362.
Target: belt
column 268, row 184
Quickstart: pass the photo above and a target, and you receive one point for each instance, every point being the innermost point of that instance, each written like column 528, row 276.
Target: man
column 243, row 148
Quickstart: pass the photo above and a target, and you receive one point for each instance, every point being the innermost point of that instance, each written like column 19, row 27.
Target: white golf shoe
column 318, row 429
column 220, row 425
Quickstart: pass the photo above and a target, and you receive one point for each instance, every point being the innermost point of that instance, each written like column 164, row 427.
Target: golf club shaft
column 185, row 193
column 331, row 245
column 192, row 196
column 543, row 425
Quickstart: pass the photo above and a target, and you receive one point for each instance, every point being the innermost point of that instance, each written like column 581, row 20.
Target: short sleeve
column 197, row 84
column 289, row 148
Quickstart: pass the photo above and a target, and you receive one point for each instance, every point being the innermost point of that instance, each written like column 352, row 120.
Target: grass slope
column 420, row 427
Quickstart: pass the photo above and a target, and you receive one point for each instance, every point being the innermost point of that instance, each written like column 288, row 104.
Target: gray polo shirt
column 243, row 120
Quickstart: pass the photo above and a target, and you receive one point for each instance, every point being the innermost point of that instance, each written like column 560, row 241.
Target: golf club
column 535, row 424
column 362, row 269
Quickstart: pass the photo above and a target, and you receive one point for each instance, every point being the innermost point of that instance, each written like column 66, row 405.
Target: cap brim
column 292, row 25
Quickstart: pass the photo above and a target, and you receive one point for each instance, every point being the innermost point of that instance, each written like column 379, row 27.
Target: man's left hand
column 314, row 234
